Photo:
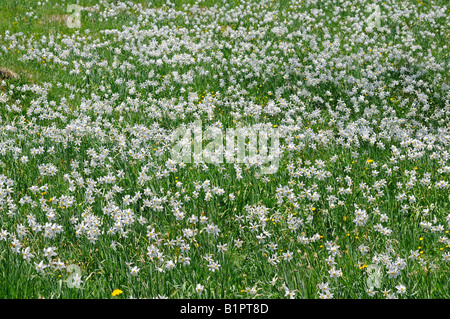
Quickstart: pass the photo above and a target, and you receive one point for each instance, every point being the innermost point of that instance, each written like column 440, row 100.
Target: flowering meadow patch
column 321, row 168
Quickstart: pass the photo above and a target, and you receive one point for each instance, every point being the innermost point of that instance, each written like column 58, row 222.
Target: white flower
column 401, row 289
column 134, row 271
column 199, row 288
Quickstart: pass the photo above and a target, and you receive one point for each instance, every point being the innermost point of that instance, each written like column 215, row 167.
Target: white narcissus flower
column 134, row 271
column 199, row 288
column 359, row 102
column 40, row 267
column 401, row 289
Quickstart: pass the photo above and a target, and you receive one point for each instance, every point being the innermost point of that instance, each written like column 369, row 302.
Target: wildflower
column 289, row 293
column 134, row 271
column 401, row 289
column 199, row 288
column 116, row 292
column 40, row 267
column 371, row 292
column 27, row 255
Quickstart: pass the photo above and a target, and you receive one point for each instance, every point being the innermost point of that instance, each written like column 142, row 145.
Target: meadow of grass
column 90, row 195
